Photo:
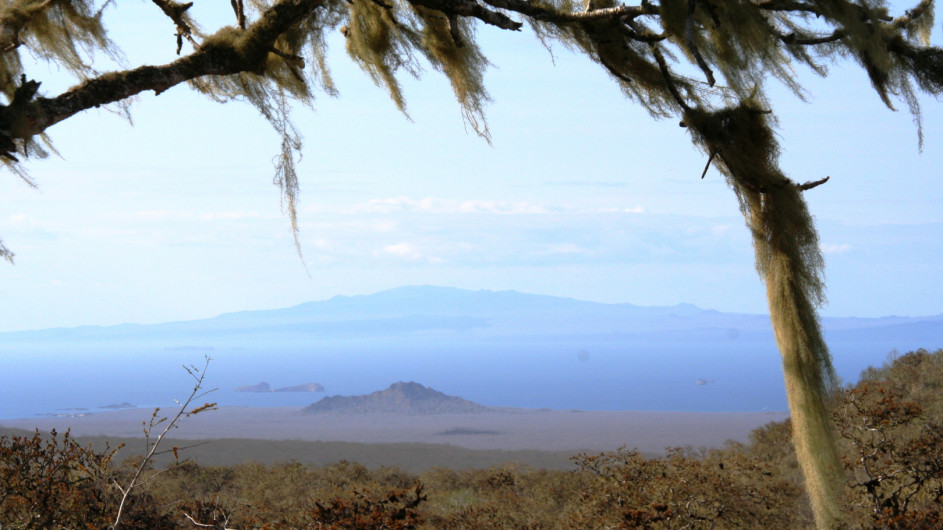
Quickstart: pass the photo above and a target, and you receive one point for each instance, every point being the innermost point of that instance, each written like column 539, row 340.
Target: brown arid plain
column 542, row 437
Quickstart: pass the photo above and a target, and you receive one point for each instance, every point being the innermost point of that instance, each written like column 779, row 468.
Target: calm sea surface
column 591, row 376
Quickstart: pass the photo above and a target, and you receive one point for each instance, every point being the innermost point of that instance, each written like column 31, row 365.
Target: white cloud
column 616, row 209
column 406, row 251
column 565, row 248
column 437, row 205
column 18, row 217
column 321, row 243
column 832, row 248
column 501, row 207
column 403, row 250
column 230, row 216
column 162, row 215
column 383, row 226
column 442, row 206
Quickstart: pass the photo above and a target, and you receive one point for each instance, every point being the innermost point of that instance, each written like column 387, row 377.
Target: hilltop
column 399, row 398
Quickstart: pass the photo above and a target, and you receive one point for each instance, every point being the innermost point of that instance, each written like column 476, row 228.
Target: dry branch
column 222, row 54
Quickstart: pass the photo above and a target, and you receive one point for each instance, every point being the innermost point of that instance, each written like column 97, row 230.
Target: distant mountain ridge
column 456, row 315
column 399, row 398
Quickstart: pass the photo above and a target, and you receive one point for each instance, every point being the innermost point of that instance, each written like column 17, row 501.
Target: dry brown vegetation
column 889, row 428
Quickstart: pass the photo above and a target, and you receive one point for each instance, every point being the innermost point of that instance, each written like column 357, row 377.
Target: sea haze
column 504, row 349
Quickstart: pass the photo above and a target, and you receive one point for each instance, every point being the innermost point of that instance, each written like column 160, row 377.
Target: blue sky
column 582, row 194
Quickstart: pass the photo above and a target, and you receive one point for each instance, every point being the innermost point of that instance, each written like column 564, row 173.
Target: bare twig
column 453, row 31
column 779, row 185
column 812, row 184
column 689, row 38
column 198, row 376
column 644, row 36
column 792, row 38
column 788, row 5
column 240, row 11
column 669, row 79
column 708, row 165
column 177, row 13
column 5, row 253
column 612, row 70
column 202, row 525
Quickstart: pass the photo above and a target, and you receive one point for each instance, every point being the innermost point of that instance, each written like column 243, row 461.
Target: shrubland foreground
column 890, row 427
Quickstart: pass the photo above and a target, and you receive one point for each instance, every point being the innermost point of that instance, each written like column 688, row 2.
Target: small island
column 116, row 406
column 307, row 387
column 400, row 398
column 258, row 387
column 263, row 387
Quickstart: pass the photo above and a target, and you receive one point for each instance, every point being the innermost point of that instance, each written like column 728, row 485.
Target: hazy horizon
column 343, row 296
column 506, row 349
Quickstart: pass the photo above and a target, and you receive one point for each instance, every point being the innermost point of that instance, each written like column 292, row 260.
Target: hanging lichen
column 62, row 33
column 788, row 259
column 626, row 54
column 449, row 45
column 380, row 45
column 269, row 91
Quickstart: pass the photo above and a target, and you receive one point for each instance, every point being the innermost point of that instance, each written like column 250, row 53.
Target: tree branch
column 470, row 8
column 538, row 11
column 788, row 5
column 792, row 38
column 229, row 51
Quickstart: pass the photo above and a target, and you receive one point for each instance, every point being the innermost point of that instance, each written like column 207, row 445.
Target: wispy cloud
column 400, row 229
column 448, row 206
column 407, row 251
column 230, row 216
column 159, row 215
column 445, row 206
column 184, row 215
column 591, row 184
column 402, row 250
column 833, row 248
column 566, row 248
